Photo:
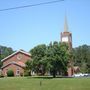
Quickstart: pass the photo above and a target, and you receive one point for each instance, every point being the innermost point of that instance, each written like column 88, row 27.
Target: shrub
column 21, row 74
column 1, row 75
column 27, row 73
column 10, row 73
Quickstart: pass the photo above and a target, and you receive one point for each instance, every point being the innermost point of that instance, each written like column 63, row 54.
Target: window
column 17, row 72
column 19, row 57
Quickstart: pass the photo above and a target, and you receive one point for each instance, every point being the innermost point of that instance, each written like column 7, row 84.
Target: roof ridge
column 13, row 62
column 15, row 53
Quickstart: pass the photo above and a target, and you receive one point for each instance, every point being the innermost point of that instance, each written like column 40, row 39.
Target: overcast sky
column 26, row 28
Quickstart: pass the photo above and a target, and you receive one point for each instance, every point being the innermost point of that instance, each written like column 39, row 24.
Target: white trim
column 14, row 54
column 13, row 62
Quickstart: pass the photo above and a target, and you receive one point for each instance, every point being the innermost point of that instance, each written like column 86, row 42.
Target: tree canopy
column 4, row 52
column 53, row 57
column 82, row 58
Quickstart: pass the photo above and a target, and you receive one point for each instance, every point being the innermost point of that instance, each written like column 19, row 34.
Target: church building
column 15, row 62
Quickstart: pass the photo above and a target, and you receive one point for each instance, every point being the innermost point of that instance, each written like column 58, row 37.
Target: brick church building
column 15, row 62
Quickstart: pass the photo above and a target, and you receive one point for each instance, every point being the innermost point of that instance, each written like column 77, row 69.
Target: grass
column 24, row 83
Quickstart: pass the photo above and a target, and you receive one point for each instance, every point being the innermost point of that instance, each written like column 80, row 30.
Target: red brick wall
column 69, row 35
column 12, row 67
column 18, row 57
column 70, row 71
column 23, row 59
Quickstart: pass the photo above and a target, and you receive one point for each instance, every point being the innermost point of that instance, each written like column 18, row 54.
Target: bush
column 21, row 74
column 10, row 73
column 27, row 73
column 1, row 75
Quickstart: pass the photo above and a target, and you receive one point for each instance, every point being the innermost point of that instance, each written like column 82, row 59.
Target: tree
column 38, row 54
column 82, row 58
column 57, row 58
column 4, row 52
column 28, row 68
column 53, row 58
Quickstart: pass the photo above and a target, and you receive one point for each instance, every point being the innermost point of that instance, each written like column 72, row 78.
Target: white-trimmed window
column 17, row 72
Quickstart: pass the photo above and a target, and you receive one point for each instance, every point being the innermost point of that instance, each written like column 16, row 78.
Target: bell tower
column 66, row 36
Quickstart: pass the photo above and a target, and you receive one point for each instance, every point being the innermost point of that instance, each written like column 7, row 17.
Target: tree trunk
column 54, row 73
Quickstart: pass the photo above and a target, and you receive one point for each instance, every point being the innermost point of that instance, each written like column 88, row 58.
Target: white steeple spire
column 65, row 25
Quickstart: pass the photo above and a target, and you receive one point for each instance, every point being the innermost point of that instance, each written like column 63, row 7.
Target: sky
column 28, row 27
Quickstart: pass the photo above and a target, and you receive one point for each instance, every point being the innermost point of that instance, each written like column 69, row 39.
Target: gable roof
column 20, row 51
column 76, row 68
column 21, row 64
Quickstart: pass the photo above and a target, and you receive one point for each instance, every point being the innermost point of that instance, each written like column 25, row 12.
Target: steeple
column 66, row 36
column 65, row 24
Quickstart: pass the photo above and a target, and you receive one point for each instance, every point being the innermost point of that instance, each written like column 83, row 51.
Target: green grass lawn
column 24, row 83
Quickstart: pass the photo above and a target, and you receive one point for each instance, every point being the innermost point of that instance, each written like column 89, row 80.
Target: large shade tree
column 57, row 58
column 38, row 54
column 28, row 68
column 53, row 58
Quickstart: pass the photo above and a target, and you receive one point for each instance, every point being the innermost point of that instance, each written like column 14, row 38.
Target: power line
column 32, row 5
